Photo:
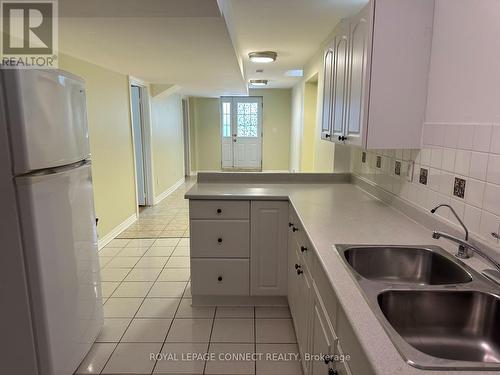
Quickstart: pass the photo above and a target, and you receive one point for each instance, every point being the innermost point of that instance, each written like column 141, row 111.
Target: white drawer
column 228, row 277
column 220, row 238
column 211, row 209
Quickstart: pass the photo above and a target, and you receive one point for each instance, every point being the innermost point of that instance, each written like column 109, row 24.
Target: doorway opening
column 141, row 134
column 241, row 132
column 309, row 125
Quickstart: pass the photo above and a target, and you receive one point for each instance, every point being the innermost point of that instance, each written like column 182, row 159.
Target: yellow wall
column 205, row 140
column 323, row 151
column 309, row 128
column 110, row 141
column 276, row 127
column 167, row 141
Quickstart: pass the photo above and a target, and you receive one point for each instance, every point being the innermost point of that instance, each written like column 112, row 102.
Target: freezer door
column 47, row 118
column 60, row 246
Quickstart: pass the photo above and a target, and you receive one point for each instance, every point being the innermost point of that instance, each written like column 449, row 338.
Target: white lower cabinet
column 268, row 252
column 323, row 340
column 223, row 277
column 299, row 300
column 313, row 315
column 238, row 248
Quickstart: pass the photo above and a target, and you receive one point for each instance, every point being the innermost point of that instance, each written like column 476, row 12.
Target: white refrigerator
column 53, row 239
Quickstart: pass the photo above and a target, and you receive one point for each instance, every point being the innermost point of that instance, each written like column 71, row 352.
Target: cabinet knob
column 294, row 229
column 297, row 266
column 219, row 211
column 299, row 272
column 340, row 138
column 327, row 135
column 219, row 278
column 290, row 225
column 303, row 248
column 219, row 240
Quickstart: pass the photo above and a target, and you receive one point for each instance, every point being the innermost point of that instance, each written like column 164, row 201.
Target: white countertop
column 342, row 213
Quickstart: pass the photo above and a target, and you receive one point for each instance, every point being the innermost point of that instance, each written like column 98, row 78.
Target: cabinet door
column 321, row 344
column 323, row 338
column 299, row 299
column 340, row 69
column 268, row 254
column 327, row 92
column 357, row 100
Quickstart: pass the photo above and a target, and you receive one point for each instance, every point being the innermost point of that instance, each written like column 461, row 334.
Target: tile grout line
column 210, row 338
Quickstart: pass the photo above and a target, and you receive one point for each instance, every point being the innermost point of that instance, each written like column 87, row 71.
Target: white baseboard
column 116, row 231
column 169, row 191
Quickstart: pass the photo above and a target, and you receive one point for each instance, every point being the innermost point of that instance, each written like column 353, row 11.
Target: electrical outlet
column 459, row 187
column 397, row 168
column 424, row 174
column 409, row 170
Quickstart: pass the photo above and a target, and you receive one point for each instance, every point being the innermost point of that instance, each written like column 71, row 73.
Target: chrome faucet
column 463, row 251
column 464, row 246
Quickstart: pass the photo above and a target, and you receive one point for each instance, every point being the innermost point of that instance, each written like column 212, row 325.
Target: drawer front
column 222, row 277
column 220, row 238
column 211, row 209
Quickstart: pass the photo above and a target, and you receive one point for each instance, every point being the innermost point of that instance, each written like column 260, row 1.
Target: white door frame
column 187, row 137
column 146, row 139
column 232, row 100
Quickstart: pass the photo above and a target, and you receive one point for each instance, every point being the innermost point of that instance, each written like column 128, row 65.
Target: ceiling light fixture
column 263, row 56
column 258, row 82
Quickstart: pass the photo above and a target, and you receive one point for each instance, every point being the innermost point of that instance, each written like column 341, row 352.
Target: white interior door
column 241, row 119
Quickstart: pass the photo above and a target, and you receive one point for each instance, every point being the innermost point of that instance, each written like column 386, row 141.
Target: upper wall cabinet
column 375, row 75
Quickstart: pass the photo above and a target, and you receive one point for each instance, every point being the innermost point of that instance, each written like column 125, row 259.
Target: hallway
column 169, row 218
column 147, row 309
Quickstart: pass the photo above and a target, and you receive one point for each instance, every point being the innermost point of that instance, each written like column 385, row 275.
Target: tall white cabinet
column 375, row 75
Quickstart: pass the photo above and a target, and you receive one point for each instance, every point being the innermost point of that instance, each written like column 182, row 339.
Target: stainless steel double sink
column 438, row 312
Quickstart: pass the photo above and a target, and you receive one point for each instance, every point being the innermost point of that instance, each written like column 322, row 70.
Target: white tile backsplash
column 478, row 165
column 467, row 151
column 493, row 174
column 482, row 138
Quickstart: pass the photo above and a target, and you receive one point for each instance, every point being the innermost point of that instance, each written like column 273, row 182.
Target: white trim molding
column 116, row 231
column 169, row 191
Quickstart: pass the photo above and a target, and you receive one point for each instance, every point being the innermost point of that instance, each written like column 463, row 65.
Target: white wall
column 464, row 81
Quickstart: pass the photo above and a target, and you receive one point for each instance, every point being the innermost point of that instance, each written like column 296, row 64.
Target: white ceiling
column 294, row 29
column 182, row 42
column 187, row 42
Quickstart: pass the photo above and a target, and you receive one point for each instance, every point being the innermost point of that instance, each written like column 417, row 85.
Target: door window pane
column 226, row 119
column 247, row 117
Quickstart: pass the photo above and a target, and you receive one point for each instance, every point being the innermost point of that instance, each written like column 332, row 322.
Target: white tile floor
column 147, row 309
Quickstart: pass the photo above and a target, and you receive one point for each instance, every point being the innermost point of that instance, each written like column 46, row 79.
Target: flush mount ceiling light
column 263, row 56
column 258, row 82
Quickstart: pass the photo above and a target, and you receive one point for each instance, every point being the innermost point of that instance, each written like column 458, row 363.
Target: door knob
column 219, row 278
column 300, row 272
column 219, row 211
column 303, row 248
column 297, row 266
column 219, row 240
column 295, row 229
